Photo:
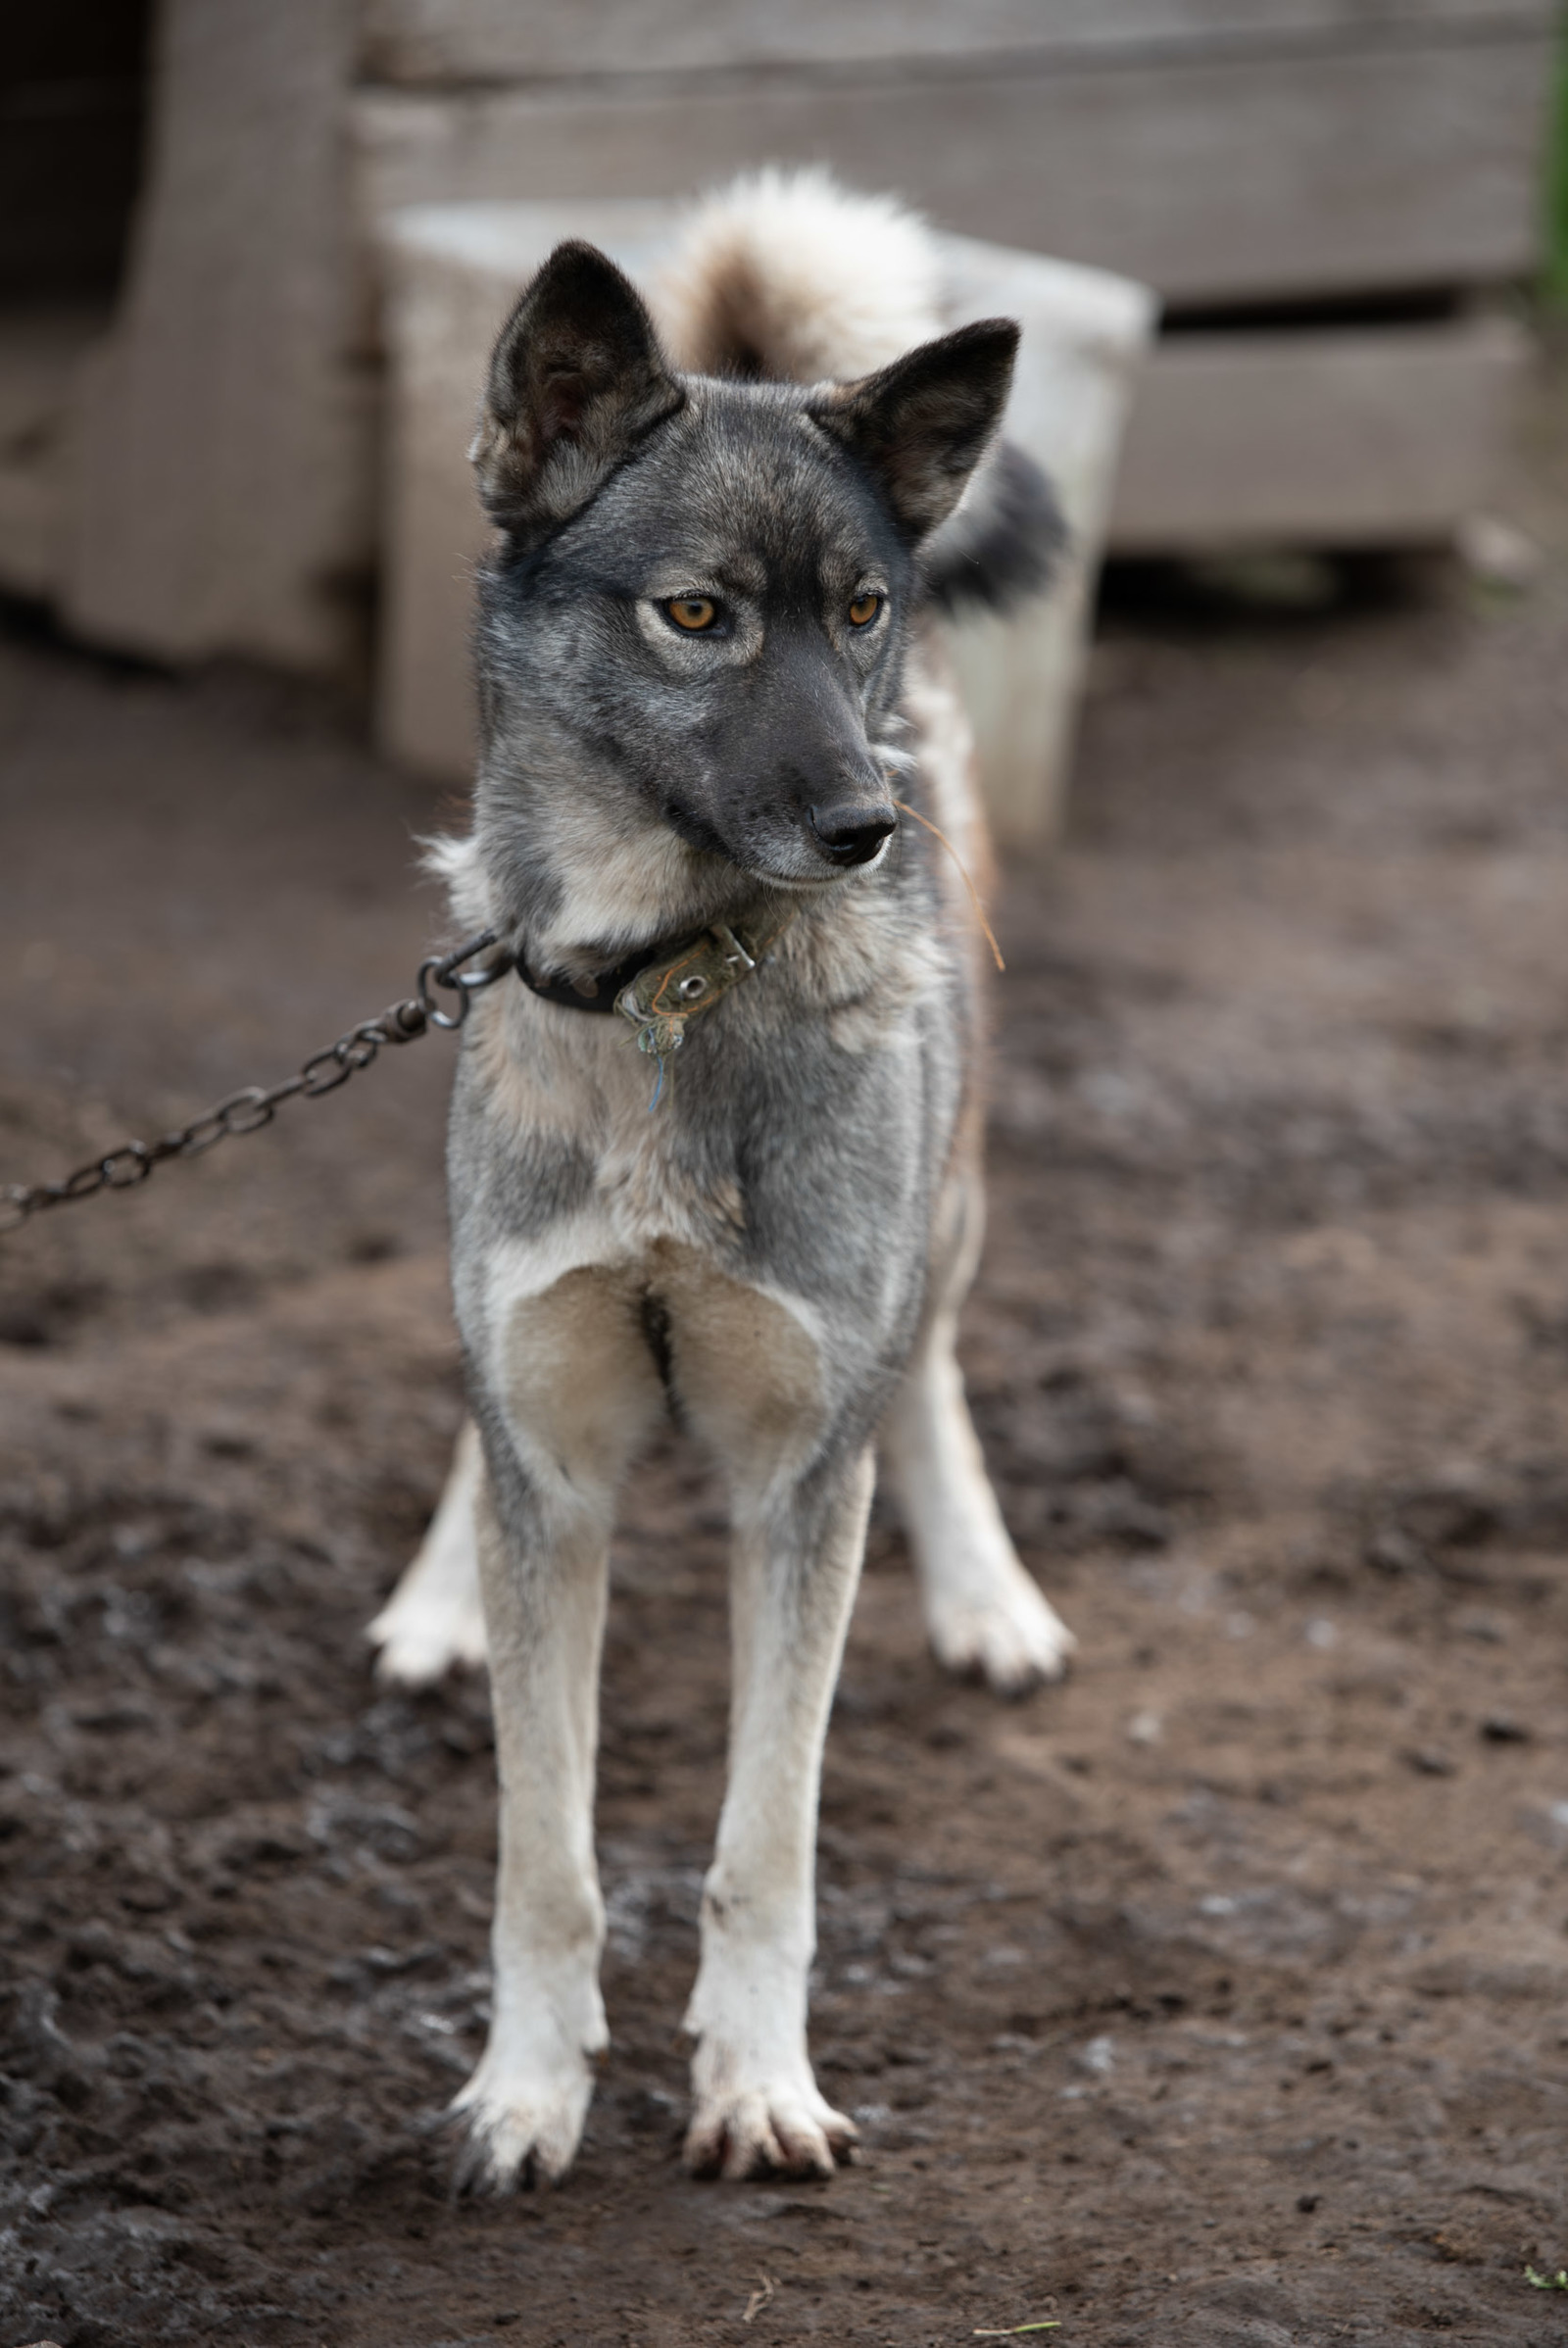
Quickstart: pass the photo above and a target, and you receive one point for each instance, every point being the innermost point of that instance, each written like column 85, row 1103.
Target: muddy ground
column 1216, row 1998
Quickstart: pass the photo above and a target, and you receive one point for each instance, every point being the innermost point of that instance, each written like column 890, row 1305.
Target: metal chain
column 249, row 1110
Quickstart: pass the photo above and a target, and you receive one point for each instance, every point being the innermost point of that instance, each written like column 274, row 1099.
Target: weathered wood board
column 223, row 497
column 1349, row 438
column 41, row 355
column 1219, row 179
column 225, row 450
column 425, row 41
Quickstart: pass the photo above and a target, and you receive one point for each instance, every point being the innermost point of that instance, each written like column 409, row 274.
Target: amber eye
column 864, row 610
column 693, row 612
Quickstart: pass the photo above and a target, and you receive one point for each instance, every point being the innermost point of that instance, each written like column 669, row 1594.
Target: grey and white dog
column 703, row 674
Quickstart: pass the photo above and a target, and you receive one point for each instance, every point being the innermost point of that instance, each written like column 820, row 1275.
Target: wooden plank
column 425, row 41
column 227, row 450
column 1376, row 437
column 41, row 356
column 1219, row 180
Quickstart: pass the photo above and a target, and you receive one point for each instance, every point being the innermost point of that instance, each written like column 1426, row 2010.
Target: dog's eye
column 864, row 610
column 693, row 612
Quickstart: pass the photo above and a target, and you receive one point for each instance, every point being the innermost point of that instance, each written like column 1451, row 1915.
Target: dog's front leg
column 544, row 1598
column 577, row 1388
column 796, row 1565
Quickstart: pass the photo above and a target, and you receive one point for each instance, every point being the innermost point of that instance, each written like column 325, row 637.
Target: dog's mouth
column 834, row 879
column 832, row 842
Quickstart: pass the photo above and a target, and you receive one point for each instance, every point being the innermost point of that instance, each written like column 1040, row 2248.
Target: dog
column 708, row 687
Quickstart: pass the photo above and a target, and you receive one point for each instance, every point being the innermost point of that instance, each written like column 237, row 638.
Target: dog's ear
column 577, row 378
column 921, row 425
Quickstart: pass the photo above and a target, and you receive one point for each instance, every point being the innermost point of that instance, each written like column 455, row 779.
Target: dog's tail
column 786, row 276
column 789, row 278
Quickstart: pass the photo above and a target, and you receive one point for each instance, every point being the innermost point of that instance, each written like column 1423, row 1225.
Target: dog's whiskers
column 900, row 762
column 974, row 894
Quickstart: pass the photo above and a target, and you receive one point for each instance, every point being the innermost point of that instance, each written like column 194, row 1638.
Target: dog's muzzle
column 851, row 831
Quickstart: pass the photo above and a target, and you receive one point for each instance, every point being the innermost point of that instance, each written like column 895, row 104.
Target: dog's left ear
column 921, row 425
column 577, row 378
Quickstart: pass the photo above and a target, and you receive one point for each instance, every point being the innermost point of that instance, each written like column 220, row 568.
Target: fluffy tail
column 788, row 277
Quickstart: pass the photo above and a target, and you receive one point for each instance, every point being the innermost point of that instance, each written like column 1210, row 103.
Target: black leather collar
column 601, row 990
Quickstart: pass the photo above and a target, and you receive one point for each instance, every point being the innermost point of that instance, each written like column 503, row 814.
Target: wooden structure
column 1326, row 194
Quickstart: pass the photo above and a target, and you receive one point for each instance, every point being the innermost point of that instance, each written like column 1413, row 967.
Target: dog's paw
column 1006, row 1632
column 420, row 1640
column 520, row 2130
column 774, row 2129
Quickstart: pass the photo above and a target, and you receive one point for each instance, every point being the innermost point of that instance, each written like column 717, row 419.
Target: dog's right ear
column 921, row 426
column 577, row 378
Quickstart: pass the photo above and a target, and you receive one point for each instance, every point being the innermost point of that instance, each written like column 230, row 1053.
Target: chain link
column 247, row 1111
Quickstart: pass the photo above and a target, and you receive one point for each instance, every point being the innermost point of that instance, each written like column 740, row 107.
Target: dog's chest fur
column 800, row 1133
column 861, row 991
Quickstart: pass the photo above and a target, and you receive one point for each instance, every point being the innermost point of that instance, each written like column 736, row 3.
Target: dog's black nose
column 852, row 832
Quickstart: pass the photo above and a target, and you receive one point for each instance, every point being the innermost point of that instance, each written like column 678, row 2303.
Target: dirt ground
column 1215, row 1998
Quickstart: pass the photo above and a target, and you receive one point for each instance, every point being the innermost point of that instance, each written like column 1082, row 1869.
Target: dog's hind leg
column 434, row 1619
column 575, row 1387
column 983, row 1611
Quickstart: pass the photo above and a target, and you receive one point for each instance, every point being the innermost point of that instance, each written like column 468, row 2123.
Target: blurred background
column 1213, row 1997
column 1343, row 209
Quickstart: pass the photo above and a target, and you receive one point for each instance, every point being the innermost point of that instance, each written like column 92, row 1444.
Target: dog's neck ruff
column 661, row 988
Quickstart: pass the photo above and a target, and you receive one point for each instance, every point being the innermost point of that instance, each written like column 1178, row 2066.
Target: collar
column 599, row 990
column 661, row 988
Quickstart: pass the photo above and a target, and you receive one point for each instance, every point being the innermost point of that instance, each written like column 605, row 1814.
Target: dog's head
column 699, row 608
